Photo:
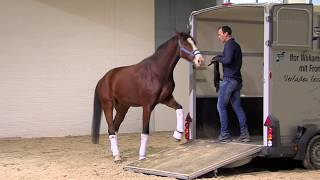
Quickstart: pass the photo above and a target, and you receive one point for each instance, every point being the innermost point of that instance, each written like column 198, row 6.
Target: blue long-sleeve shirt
column 231, row 59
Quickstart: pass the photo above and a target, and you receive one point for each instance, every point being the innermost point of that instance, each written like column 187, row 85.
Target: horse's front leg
column 145, row 131
column 171, row 102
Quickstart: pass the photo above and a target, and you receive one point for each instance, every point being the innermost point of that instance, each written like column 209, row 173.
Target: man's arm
column 228, row 54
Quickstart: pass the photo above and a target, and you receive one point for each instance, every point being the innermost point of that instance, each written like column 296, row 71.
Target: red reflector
column 270, row 75
column 227, row 4
column 268, row 122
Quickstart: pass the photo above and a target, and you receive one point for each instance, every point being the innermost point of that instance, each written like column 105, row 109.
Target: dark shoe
column 244, row 138
column 226, row 138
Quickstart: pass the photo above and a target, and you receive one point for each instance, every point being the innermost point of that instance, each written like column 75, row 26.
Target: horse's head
column 188, row 50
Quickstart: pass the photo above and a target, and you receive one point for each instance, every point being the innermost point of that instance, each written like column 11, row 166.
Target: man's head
column 224, row 33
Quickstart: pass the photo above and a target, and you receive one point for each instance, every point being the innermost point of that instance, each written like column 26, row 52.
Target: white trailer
column 280, row 95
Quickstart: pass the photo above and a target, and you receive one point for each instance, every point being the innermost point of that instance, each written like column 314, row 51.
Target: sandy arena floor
column 77, row 158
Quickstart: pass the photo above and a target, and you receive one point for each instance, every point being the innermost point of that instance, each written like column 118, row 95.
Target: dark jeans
column 230, row 90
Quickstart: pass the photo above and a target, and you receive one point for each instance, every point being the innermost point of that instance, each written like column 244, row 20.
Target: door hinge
column 268, row 18
column 268, row 43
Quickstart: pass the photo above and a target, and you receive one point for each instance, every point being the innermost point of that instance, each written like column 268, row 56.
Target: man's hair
column 225, row 29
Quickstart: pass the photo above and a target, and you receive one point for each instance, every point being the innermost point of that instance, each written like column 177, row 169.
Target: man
column 230, row 86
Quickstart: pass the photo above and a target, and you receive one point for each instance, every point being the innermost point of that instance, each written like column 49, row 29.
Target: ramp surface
column 193, row 159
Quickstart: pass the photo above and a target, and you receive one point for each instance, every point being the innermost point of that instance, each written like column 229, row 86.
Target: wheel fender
column 310, row 130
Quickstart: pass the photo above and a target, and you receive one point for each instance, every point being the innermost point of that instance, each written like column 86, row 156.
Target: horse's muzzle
column 198, row 59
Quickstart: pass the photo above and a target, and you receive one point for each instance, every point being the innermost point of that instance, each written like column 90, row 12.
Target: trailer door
column 292, row 89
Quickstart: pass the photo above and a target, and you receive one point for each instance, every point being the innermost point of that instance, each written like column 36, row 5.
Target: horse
column 145, row 84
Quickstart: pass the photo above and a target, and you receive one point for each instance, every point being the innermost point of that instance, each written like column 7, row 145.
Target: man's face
column 222, row 36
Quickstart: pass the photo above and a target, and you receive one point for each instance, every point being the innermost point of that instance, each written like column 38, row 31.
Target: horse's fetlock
column 177, row 135
column 117, row 159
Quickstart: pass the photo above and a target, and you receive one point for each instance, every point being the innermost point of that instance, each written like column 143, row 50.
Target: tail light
column 268, row 124
column 187, row 129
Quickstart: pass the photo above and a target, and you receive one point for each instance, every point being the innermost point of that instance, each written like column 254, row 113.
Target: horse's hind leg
column 121, row 113
column 145, row 131
column 171, row 102
column 108, row 112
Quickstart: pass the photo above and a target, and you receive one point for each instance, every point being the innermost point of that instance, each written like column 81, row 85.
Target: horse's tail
column 96, row 119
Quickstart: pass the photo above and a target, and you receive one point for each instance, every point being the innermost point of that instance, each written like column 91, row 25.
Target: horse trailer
column 281, row 87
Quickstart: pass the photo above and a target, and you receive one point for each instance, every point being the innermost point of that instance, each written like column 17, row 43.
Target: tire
column 312, row 157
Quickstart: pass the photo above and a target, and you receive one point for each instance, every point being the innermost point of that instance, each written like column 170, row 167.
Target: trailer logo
column 294, row 57
column 280, row 56
column 307, row 65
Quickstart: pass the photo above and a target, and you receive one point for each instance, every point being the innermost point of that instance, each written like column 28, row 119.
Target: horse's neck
column 166, row 59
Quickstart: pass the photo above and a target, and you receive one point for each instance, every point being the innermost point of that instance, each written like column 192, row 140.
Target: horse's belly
column 129, row 98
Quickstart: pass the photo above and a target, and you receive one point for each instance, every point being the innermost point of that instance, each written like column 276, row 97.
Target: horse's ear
column 189, row 33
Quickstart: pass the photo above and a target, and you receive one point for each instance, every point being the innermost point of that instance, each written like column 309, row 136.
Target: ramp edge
column 156, row 172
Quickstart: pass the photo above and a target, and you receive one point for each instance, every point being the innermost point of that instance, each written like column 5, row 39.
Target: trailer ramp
column 193, row 159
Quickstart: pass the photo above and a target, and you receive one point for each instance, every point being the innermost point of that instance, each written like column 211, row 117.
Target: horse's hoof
column 142, row 158
column 177, row 135
column 117, row 159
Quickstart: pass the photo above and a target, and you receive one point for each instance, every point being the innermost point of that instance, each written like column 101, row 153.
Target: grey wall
column 173, row 15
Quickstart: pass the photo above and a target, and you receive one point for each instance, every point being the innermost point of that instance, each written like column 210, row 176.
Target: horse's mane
column 165, row 44
column 184, row 36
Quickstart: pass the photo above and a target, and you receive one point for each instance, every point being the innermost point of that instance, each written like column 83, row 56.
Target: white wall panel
column 52, row 53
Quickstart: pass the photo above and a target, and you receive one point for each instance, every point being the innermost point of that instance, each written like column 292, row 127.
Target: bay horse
column 145, row 84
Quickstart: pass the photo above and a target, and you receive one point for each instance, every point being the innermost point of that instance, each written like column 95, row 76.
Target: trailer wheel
column 312, row 157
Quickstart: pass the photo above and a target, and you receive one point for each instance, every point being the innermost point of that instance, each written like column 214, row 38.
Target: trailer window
column 292, row 27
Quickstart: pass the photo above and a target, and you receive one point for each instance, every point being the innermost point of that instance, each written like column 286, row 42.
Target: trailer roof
column 231, row 6
column 252, row 12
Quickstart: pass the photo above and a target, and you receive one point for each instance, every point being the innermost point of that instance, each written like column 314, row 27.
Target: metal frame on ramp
column 194, row 159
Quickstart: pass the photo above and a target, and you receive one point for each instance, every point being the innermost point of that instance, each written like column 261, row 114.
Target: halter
column 191, row 54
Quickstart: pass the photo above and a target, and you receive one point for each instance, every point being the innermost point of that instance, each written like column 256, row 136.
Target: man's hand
column 215, row 59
